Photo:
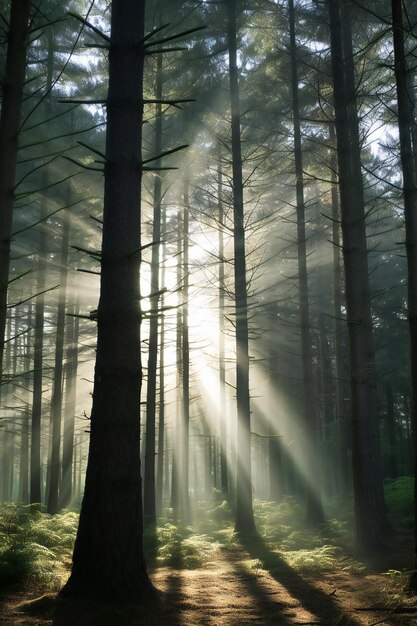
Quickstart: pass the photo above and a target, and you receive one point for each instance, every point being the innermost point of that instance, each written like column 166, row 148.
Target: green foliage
column 399, row 499
column 325, row 558
column 183, row 548
column 34, row 544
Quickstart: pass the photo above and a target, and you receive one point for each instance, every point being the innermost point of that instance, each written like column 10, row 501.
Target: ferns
column 34, row 545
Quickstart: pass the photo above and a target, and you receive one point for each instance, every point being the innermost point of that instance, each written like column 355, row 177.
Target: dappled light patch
column 182, row 548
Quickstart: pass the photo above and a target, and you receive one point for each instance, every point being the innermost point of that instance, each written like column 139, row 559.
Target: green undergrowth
column 284, row 533
column 37, row 546
column 399, row 499
column 34, row 545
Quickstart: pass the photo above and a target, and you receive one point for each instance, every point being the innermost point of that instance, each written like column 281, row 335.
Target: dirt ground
column 235, row 590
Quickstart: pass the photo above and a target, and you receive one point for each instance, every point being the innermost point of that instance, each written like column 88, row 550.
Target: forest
column 208, row 312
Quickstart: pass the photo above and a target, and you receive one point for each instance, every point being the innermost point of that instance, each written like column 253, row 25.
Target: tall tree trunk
column 245, row 523
column 275, row 455
column 35, row 443
column 24, row 440
column 177, row 438
column 35, row 458
column 149, row 501
column 66, row 494
column 408, row 148
column 57, row 387
column 340, row 370
column 224, row 479
column 371, row 524
column 9, row 131
column 108, row 556
column 161, row 424
column 392, row 471
column 185, row 365
column 315, row 513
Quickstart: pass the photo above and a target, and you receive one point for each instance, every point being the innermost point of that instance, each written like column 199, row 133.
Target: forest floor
column 234, row 589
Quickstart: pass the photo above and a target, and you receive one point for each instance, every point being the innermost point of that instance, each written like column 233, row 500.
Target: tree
column 370, row 514
column 245, row 524
column 108, row 558
column 314, row 507
column 149, row 499
column 406, row 125
column 9, row 132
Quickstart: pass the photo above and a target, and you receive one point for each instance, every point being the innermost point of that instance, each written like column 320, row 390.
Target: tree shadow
column 149, row 610
column 323, row 606
column 272, row 612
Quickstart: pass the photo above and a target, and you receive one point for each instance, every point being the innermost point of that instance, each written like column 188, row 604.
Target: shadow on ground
column 323, row 606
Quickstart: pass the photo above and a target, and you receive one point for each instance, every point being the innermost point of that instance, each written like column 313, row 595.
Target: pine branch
column 73, row 101
column 29, row 193
column 154, row 31
column 71, row 134
column 40, row 293
column 91, row 26
column 89, row 272
column 12, row 280
column 92, row 253
column 158, row 169
column 86, row 145
column 46, row 217
column 160, row 156
column 176, row 36
column 164, row 50
column 84, row 167
column 173, row 103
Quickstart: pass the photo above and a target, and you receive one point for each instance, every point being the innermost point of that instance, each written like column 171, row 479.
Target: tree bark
column 244, row 523
column 224, row 474
column 371, row 524
column 57, row 387
column 108, row 558
column 406, row 124
column 186, row 513
column 149, row 501
column 66, row 493
column 315, row 514
column 9, row 132
column 340, row 370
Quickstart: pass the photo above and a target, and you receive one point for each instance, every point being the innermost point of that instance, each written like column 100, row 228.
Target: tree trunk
column 315, row 514
column 406, row 125
column 371, row 524
column 224, row 479
column 177, row 438
column 161, row 424
column 9, row 131
column 57, row 387
column 244, row 524
column 108, row 558
column 392, row 471
column 35, row 445
column 276, row 482
column 149, row 501
column 186, row 513
column 66, row 493
column 340, row 370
